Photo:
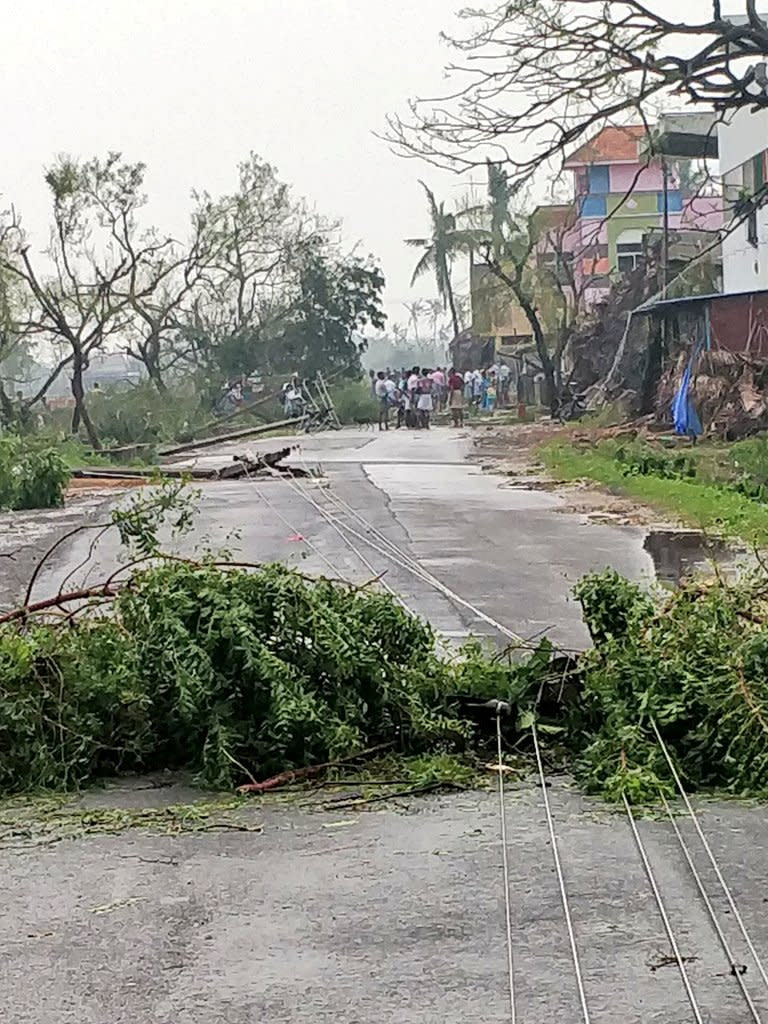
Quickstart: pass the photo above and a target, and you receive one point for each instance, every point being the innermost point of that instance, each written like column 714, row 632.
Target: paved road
column 396, row 915
column 359, row 919
column 511, row 552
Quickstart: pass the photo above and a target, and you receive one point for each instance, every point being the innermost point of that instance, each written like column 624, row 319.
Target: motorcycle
column 570, row 404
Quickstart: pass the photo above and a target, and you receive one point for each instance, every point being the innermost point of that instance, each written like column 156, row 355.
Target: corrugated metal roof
column 691, row 300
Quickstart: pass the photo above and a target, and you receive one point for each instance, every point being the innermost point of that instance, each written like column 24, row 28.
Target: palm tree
column 447, row 239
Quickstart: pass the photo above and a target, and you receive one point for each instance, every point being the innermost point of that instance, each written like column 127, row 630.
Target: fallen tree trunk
column 209, row 442
column 102, row 590
column 241, row 466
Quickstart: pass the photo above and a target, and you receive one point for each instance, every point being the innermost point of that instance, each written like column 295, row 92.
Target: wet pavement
column 496, row 545
column 367, row 917
column 364, row 917
column 26, row 536
column 679, row 554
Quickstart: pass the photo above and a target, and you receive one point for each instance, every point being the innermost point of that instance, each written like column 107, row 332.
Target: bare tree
column 80, row 291
column 533, row 257
column 255, row 240
column 10, row 340
column 538, row 77
column 161, row 298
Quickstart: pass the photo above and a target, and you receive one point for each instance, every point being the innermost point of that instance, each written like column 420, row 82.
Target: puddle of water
column 679, row 554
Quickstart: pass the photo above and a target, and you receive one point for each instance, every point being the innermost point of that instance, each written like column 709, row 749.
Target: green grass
column 77, row 455
column 702, row 503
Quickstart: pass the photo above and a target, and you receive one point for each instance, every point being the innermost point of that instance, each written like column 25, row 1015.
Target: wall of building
column 644, row 179
column 495, row 313
column 745, row 134
column 745, row 265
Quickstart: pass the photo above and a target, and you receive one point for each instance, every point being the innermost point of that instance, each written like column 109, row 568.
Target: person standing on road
column 491, row 392
column 412, row 389
column 468, row 391
column 425, row 404
column 385, row 389
column 477, row 388
column 456, row 397
column 504, row 380
column 438, row 388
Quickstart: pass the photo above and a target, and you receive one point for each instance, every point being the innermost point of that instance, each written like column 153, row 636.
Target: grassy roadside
column 707, row 500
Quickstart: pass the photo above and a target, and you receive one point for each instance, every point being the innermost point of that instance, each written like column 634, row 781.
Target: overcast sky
column 191, row 86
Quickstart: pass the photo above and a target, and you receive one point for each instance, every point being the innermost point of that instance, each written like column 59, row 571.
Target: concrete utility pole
column 665, row 238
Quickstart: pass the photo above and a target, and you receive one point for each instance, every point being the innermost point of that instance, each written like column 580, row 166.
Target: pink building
column 619, row 199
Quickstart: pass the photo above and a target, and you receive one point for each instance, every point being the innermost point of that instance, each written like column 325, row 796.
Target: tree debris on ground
column 207, row 668
column 728, row 391
column 694, row 663
column 242, row 675
column 258, row 677
column 241, row 466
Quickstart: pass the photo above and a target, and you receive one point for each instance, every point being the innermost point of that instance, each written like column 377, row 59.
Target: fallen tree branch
column 297, row 774
column 57, row 544
column 429, row 787
column 102, row 590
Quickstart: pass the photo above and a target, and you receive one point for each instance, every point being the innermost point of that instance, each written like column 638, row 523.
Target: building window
column 594, row 206
column 599, row 179
column 674, row 201
column 629, row 257
column 629, row 251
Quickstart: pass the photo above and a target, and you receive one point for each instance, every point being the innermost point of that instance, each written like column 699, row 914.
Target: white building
column 743, row 147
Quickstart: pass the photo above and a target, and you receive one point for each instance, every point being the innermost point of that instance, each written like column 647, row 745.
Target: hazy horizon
column 191, row 87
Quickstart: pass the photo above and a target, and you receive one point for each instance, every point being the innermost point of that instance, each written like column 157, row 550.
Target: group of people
column 488, row 389
column 292, row 398
column 413, row 395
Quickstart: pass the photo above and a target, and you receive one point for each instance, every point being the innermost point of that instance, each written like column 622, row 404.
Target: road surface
column 356, row 918
column 513, row 553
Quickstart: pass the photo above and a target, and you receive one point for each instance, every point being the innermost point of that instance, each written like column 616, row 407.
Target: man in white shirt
column 385, row 389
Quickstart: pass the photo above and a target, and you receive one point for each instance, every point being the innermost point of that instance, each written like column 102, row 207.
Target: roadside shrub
column 638, row 459
column 695, row 662
column 353, row 401
column 32, row 474
column 142, row 415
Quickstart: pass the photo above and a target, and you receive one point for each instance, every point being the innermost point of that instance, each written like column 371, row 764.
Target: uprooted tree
column 535, row 78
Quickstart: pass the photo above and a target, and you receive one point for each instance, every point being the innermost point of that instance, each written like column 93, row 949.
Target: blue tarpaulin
column 683, row 412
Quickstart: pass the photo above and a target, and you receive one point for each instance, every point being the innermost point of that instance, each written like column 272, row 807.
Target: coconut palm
column 446, row 241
